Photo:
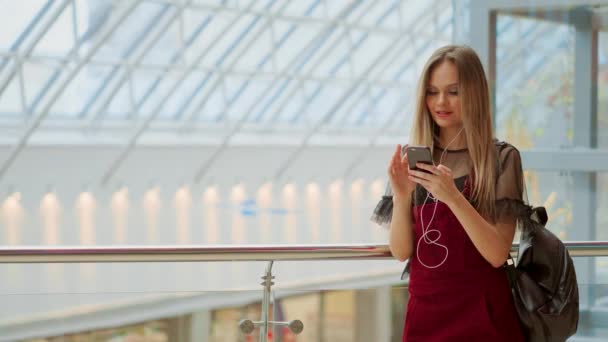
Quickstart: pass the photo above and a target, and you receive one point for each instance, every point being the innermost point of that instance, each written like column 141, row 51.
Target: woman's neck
column 454, row 137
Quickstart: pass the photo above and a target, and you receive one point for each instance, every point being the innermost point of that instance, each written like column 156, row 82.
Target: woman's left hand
column 439, row 182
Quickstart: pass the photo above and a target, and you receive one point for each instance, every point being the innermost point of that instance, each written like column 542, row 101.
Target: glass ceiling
column 182, row 66
column 124, row 69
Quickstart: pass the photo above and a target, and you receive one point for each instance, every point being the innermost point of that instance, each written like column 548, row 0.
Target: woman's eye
column 454, row 92
column 430, row 92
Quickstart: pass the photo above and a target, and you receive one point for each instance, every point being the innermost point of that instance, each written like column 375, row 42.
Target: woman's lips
column 443, row 113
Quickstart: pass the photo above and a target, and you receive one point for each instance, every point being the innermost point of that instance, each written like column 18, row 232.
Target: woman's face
column 442, row 98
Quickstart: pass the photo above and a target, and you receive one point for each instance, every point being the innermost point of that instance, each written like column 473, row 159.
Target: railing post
column 247, row 326
column 267, row 283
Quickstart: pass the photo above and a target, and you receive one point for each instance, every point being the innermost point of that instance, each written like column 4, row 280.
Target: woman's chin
column 447, row 122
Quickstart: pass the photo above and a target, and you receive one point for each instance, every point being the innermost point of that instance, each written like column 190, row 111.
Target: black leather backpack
column 543, row 283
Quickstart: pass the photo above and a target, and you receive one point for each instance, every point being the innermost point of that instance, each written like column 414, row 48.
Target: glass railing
column 194, row 293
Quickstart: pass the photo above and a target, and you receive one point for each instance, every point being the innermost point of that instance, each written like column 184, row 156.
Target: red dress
column 463, row 299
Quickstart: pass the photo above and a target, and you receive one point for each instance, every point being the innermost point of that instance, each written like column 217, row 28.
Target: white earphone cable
column 425, row 230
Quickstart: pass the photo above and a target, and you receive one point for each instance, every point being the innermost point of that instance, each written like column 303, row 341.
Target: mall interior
column 159, row 158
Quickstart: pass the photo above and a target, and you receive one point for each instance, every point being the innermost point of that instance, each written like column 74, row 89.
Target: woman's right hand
column 398, row 172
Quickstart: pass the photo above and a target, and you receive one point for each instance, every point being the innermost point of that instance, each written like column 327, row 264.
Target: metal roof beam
column 291, row 158
column 142, row 126
column 198, row 108
column 95, row 117
column 37, row 120
column 26, row 32
column 299, row 86
column 131, row 49
column 35, row 40
column 204, row 167
column 300, row 20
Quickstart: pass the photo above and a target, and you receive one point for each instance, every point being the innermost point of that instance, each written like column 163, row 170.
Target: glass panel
column 145, row 83
column 319, row 103
column 167, row 47
column 377, row 14
column 445, row 19
column 593, row 292
column 343, row 311
column 256, row 53
column 10, row 98
column 201, row 46
column 555, row 191
column 372, row 47
column 80, row 90
column 405, row 67
column 181, row 102
column 251, row 100
column 195, row 22
column 121, row 105
column 39, row 77
column 277, row 97
column 383, row 106
column 214, row 107
column 59, row 39
column 209, row 2
column 334, row 57
column 15, row 18
column 206, row 299
column 355, row 104
column 151, row 88
column 413, row 11
column 602, row 85
column 293, row 48
column 110, row 95
column 130, row 32
column 232, row 41
column 534, row 89
column 298, row 8
column 602, row 206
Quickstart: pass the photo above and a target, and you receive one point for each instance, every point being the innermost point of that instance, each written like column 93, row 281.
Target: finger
column 395, row 166
column 397, row 170
column 425, row 166
column 405, row 164
column 397, row 154
column 430, row 168
column 445, row 172
column 425, row 183
column 444, row 169
column 421, row 175
column 391, row 169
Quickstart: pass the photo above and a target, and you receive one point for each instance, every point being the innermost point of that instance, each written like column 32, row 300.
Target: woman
column 457, row 222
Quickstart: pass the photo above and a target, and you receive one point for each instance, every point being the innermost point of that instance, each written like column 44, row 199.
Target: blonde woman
column 455, row 223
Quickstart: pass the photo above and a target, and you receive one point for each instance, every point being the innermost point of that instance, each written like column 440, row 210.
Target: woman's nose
column 441, row 98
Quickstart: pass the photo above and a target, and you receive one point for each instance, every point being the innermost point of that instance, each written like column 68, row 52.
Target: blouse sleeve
column 511, row 199
column 383, row 212
column 384, row 209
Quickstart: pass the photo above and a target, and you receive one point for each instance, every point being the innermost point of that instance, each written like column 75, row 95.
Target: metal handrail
column 230, row 253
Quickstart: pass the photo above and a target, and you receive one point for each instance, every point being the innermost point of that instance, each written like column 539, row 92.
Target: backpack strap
column 509, row 267
column 539, row 214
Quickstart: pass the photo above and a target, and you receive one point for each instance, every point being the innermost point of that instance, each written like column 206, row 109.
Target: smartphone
column 419, row 154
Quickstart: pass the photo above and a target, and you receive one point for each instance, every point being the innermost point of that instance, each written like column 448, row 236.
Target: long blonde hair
column 474, row 96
